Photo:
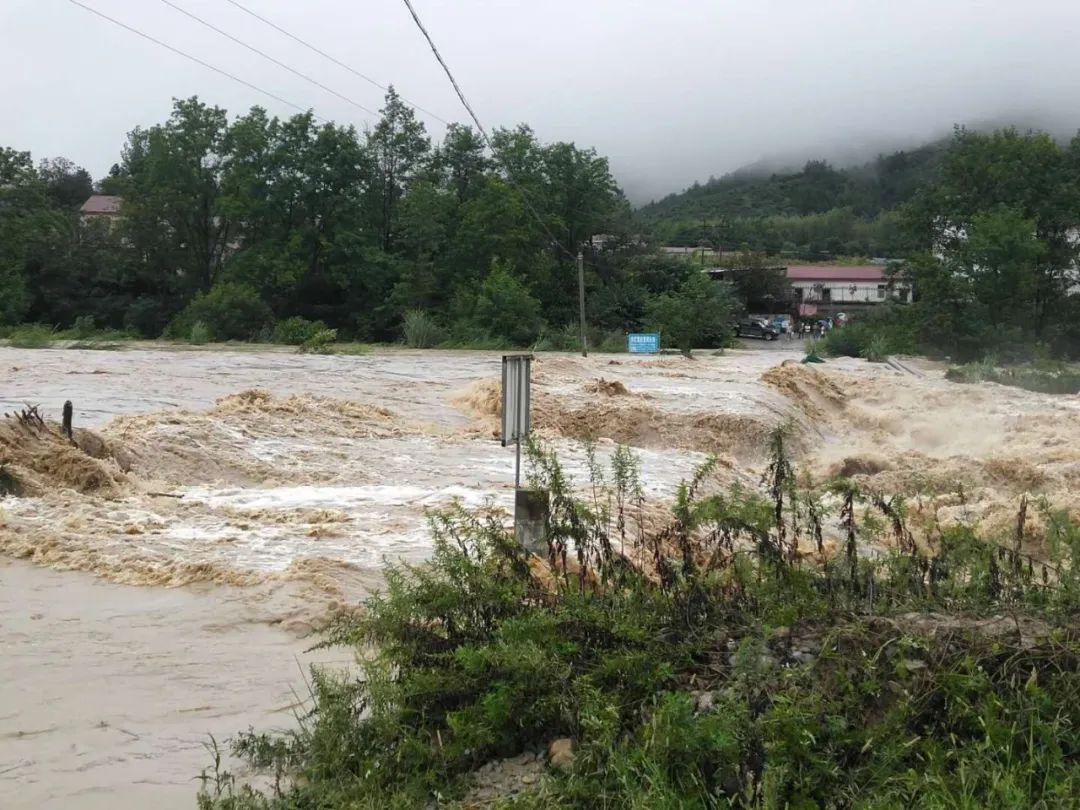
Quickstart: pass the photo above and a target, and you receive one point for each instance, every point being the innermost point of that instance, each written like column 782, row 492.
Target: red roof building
column 102, row 205
column 826, row 287
column 837, row 272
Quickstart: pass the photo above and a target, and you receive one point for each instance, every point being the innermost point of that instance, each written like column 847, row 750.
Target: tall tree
column 175, row 194
column 68, row 186
column 399, row 147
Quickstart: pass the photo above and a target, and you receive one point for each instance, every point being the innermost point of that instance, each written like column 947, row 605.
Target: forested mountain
column 818, row 187
column 816, row 211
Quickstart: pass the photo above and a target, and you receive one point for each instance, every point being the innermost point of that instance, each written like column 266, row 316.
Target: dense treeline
column 262, row 228
column 229, row 227
column 994, row 275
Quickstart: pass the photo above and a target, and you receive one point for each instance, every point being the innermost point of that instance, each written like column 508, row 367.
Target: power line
column 267, row 56
column 194, row 59
column 483, row 132
column 336, row 61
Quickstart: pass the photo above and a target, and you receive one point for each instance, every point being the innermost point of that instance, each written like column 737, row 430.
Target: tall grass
column 31, row 336
column 421, row 330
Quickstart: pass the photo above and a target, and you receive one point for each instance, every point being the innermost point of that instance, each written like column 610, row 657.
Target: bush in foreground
column 701, row 664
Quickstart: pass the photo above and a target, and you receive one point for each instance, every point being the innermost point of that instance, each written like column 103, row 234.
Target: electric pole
column 581, row 301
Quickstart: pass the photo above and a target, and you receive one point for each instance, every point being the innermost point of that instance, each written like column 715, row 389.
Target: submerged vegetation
column 794, row 646
column 1046, row 377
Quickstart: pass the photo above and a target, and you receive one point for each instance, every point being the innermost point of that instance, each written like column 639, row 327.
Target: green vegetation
column 819, row 212
column 889, row 330
column 1047, row 378
column 420, row 330
column 981, row 227
column 250, row 222
column 699, row 313
column 230, row 311
column 320, row 342
column 703, row 663
column 296, row 331
column 268, row 229
column 200, row 333
column 31, row 336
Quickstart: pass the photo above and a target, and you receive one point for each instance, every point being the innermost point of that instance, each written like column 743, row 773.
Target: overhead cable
column 480, row 127
column 333, row 59
column 194, row 59
column 267, row 56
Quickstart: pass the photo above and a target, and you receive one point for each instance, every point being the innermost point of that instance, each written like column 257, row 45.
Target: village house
column 828, row 288
column 101, row 207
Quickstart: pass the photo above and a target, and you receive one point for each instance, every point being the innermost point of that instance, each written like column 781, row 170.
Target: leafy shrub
column 421, row 330
column 612, row 342
column 698, row 314
column 564, row 339
column 876, row 350
column 504, row 308
column 87, row 335
column 568, row 339
column 231, row 312
column 878, row 334
column 83, row 327
column 31, row 336
column 200, row 333
column 148, row 317
column 295, row 331
column 320, row 342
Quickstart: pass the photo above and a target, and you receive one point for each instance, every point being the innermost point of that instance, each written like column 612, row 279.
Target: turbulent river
column 166, row 589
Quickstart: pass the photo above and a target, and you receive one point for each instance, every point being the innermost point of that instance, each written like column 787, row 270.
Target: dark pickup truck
column 756, row 329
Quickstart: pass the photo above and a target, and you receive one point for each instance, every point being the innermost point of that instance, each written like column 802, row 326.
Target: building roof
column 829, row 272
column 102, row 204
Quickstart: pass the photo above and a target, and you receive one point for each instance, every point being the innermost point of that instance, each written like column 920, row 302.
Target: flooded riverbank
column 251, row 492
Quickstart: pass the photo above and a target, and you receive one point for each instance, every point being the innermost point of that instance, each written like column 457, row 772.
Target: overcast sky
column 670, row 91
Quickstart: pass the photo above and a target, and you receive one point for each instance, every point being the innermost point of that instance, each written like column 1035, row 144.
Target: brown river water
column 168, row 592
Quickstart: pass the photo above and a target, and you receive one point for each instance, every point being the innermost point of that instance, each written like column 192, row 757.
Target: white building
column 838, row 286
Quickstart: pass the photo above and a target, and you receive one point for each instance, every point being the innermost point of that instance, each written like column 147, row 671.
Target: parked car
column 756, row 329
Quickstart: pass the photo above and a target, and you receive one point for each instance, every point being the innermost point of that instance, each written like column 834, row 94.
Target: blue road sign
column 643, row 343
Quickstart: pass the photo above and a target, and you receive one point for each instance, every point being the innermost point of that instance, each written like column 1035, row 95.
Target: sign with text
column 516, row 374
column 643, row 343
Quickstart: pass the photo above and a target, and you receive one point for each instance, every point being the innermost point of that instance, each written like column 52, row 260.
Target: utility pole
column 581, row 301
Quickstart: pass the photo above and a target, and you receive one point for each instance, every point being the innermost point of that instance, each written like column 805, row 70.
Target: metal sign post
column 530, row 508
column 516, row 383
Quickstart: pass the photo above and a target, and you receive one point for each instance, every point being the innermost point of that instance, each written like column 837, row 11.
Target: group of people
column 805, row 329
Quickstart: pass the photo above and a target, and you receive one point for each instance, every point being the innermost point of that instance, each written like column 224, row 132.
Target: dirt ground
column 163, row 585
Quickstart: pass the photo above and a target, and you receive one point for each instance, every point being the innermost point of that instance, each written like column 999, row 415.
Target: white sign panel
column 516, row 374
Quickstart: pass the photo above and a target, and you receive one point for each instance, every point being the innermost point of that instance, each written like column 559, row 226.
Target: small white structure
column 829, row 285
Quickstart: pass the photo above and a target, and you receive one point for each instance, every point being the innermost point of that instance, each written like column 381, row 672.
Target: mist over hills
column 756, row 188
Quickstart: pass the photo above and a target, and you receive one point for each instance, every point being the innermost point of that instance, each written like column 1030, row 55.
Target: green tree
column 701, row 312
column 68, row 186
column 991, row 187
column 399, row 147
column 505, row 309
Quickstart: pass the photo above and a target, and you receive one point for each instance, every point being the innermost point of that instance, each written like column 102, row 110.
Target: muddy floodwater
column 162, row 584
